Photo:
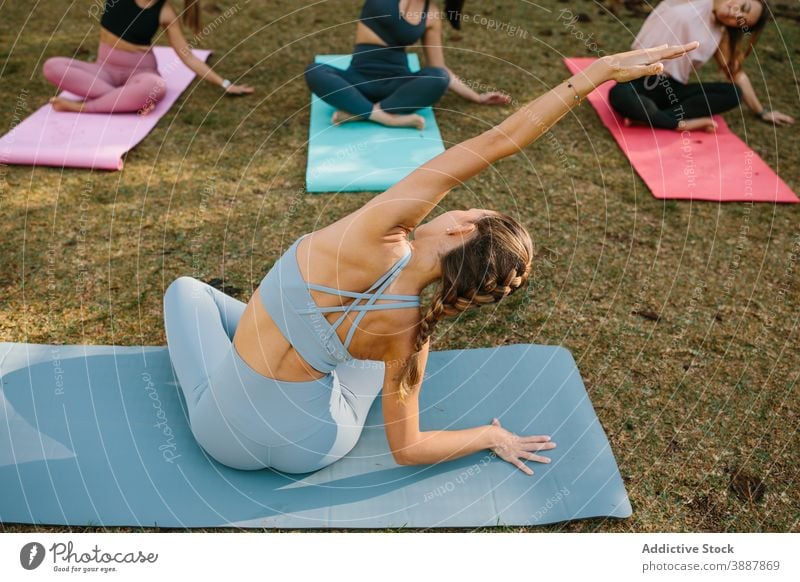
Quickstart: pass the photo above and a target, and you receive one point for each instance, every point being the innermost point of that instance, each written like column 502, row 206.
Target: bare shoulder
column 433, row 20
column 167, row 15
column 358, row 247
column 400, row 334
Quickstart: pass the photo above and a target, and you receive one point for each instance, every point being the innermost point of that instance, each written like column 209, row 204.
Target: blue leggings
column 246, row 420
column 377, row 75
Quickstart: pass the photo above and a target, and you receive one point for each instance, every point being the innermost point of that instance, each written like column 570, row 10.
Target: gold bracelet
column 577, row 95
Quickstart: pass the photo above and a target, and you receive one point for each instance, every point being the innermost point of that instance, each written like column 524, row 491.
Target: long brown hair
column 491, row 265
column 191, row 15
column 452, row 11
column 737, row 42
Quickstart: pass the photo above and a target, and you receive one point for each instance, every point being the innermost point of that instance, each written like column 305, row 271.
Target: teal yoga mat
column 362, row 155
column 97, row 435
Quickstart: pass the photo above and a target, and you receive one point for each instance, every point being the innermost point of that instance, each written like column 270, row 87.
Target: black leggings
column 661, row 101
column 377, row 75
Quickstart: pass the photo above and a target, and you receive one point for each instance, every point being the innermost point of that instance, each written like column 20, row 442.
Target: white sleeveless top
column 679, row 22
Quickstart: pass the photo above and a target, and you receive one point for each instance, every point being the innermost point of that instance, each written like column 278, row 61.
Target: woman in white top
column 727, row 31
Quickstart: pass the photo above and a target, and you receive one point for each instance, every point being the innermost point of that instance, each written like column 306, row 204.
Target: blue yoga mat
column 97, row 435
column 362, row 155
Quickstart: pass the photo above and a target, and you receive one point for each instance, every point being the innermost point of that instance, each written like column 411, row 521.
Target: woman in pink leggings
column 125, row 77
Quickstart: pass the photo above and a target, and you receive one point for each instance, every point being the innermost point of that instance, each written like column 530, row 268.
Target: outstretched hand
column 512, row 448
column 239, row 90
column 777, row 118
column 630, row 65
column 494, row 98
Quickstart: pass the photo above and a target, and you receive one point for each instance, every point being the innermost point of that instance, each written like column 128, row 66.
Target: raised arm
column 408, row 202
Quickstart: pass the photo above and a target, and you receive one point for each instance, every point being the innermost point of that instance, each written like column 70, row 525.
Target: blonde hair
column 488, row 267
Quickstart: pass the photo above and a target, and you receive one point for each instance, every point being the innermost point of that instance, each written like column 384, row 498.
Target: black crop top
column 130, row 22
column 383, row 18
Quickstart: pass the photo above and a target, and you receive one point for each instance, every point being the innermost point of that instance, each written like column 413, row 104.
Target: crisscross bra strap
column 373, row 294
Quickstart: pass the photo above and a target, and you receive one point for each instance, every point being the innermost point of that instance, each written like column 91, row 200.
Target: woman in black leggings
column 727, row 30
column 378, row 85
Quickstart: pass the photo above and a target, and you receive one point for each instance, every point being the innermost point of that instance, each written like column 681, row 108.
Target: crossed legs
column 105, row 89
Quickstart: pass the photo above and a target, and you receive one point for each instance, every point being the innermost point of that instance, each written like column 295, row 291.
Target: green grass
column 217, row 190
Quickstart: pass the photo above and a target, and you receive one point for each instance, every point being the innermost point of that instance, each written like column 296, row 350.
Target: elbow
column 401, row 459
column 498, row 144
column 739, row 77
column 404, row 455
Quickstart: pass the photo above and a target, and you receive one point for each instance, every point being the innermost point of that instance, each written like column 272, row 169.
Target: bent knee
column 619, row 92
column 154, row 85
column 148, row 88
column 182, row 287
column 438, row 75
column 54, row 67
column 315, row 73
column 736, row 92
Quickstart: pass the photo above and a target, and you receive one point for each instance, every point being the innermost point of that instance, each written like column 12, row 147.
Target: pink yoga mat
column 690, row 165
column 92, row 140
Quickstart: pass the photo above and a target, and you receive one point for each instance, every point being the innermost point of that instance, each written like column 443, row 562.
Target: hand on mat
column 239, row 90
column 630, row 65
column 778, row 118
column 512, row 447
column 494, row 98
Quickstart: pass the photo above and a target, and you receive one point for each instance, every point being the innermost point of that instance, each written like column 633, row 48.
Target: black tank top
column 131, row 23
column 384, row 19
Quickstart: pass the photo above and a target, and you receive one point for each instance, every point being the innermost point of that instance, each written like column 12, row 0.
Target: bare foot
column 378, row 115
column 411, row 120
column 700, row 123
column 339, row 117
column 149, row 106
column 628, row 122
column 61, row 104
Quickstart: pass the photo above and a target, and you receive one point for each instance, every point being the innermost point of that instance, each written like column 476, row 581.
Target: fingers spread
column 523, row 467
column 537, row 458
column 536, row 439
column 539, row 446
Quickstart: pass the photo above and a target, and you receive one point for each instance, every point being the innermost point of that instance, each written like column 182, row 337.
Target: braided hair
column 491, row 265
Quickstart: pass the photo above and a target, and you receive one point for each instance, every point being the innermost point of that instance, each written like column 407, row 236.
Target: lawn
column 683, row 317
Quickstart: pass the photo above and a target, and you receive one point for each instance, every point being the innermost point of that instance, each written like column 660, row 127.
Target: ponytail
column 452, row 10
column 191, row 15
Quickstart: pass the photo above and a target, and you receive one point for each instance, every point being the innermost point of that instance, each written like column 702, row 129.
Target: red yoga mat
column 92, row 140
column 690, row 165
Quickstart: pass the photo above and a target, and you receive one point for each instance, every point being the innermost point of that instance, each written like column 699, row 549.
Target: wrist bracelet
column 226, row 84
column 577, row 95
column 762, row 112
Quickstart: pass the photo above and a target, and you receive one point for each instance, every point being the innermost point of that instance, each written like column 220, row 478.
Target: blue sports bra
column 286, row 297
column 384, row 19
